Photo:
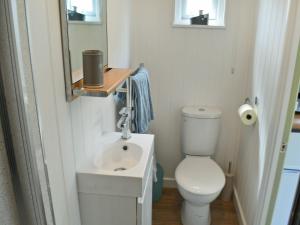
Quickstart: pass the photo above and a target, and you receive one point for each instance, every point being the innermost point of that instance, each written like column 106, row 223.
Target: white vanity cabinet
column 102, row 209
column 110, row 197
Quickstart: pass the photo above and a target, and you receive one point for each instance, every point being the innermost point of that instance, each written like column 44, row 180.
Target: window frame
column 181, row 20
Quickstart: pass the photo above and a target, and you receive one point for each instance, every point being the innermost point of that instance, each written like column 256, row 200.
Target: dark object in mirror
column 202, row 19
column 92, row 68
column 73, row 15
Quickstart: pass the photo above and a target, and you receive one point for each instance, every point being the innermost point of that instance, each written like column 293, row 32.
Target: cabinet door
column 107, row 210
column 144, row 204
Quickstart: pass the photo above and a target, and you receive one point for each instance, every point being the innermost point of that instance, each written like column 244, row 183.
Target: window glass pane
column 192, row 8
column 86, row 7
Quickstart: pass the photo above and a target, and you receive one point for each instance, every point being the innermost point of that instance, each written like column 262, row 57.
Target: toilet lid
column 200, row 175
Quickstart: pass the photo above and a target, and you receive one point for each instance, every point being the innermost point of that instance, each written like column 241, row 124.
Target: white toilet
column 199, row 178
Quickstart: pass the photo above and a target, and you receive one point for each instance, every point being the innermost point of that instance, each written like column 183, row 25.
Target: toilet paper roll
column 247, row 114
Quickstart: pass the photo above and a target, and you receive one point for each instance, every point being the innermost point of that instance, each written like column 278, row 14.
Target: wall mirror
column 83, row 27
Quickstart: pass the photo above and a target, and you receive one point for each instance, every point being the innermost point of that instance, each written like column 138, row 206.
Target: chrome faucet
column 124, row 123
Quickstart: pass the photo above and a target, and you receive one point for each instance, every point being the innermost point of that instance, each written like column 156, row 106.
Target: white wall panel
column 118, row 32
column 272, row 24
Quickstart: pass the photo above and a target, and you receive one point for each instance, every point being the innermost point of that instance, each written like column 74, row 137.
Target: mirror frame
column 65, row 50
column 71, row 91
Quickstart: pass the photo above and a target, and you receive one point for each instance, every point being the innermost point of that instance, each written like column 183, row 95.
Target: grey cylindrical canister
column 92, row 68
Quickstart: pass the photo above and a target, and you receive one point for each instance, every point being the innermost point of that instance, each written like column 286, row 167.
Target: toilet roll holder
column 248, row 111
column 248, row 101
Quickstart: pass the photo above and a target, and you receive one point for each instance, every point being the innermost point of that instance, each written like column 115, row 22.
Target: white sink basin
column 119, row 156
column 117, row 167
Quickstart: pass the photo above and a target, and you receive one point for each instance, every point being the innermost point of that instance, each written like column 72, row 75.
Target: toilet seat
column 200, row 176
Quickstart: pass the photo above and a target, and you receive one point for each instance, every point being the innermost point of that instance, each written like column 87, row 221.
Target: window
column 89, row 8
column 187, row 9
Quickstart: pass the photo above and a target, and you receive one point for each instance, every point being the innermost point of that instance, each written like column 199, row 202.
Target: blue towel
column 141, row 98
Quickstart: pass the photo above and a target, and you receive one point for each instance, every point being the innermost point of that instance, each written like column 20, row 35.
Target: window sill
column 84, row 22
column 213, row 27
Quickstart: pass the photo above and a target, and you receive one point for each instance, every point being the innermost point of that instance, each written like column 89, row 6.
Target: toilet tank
column 200, row 130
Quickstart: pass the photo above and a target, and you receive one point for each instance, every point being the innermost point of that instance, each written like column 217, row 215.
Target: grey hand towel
column 141, row 97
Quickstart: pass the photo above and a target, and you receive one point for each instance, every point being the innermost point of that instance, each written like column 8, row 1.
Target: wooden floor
column 167, row 210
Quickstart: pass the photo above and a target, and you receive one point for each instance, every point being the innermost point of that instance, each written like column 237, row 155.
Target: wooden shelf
column 296, row 124
column 112, row 79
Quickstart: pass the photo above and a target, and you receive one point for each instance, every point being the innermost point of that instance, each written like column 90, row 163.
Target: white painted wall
column 87, row 36
column 119, row 33
column 191, row 66
column 268, row 78
column 8, row 210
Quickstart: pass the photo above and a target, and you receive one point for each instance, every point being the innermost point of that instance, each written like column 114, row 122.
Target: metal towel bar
column 128, row 91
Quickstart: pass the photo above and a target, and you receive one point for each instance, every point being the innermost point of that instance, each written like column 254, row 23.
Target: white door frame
column 19, row 116
column 275, row 145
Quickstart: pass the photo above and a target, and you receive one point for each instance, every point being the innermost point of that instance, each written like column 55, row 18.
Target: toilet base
column 195, row 215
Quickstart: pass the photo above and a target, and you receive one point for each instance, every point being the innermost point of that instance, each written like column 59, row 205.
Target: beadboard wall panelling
column 192, row 66
column 91, row 118
column 265, row 83
column 118, row 32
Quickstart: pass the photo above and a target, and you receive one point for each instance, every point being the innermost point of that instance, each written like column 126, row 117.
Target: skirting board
column 238, row 207
column 170, row 182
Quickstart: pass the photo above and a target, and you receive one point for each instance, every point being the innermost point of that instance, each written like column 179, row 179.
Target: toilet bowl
column 200, row 181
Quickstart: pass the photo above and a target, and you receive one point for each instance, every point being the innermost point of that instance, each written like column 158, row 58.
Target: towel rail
column 142, row 65
column 128, row 91
column 124, row 90
column 248, row 101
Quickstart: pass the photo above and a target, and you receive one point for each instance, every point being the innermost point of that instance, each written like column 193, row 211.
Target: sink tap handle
column 123, row 111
